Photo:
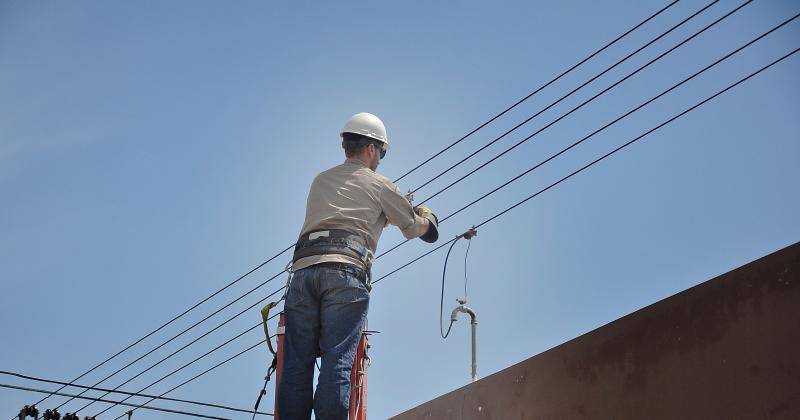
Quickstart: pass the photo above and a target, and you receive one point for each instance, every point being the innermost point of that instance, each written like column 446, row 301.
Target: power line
column 617, row 83
column 591, row 163
column 537, row 90
column 480, row 149
column 133, row 394
column 187, row 345
column 204, row 372
column 607, row 154
column 167, row 323
column 725, row 57
column 195, row 360
column 572, row 110
column 178, row 335
column 165, row 410
column 398, row 179
column 640, row 137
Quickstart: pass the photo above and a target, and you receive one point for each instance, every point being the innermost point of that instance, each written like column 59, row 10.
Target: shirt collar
column 355, row 161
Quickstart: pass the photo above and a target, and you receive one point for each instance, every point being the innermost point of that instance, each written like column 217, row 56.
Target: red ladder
column 358, row 376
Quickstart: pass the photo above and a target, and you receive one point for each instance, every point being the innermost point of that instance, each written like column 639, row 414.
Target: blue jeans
column 326, row 308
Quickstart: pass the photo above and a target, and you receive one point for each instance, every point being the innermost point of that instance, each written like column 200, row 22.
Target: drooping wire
column 133, row 394
column 503, row 212
column 147, row 407
column 466, row 254
column 607, row 45
column 441, row 302
column 537, row 90
column 582, row 104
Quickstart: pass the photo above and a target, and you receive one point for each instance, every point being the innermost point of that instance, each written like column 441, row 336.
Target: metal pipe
column 474, row 323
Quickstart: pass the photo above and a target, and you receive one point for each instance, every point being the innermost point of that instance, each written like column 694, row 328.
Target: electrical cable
column 193, row 361
column 168, row 323
column 591, row 163
column 180, row 334
column 396, row 180
column 442, row 220
column 640, row 136
column 189, row 344
column 205, row 372
column 441, row 302
column 537, row 90
column 685, row 80
column 451, row 241
column 162, row 409
column 582, row 104
column 636, row 51
column 725, row 57
column 612, row 152
column 466, row 254
column 133, row 394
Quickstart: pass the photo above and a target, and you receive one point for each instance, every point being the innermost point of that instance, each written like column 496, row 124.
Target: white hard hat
column 367, row 125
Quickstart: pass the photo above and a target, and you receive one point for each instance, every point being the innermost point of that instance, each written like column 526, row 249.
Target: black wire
column 444, row 219
column 537, row 90
column 430, row 180
column 167, row 323
column 195, row 360
column 208, row 370
column 51, row 381
column 166, row 410
column 685, row 80
column 639, row 137
column 188, row 344
column 590, row 164
column 180, row 334
column 725, row 57
column 451, row 241
column 466, row 254
column 441, row 302
column 660, row 56
column 594, row 161
column 396, row 180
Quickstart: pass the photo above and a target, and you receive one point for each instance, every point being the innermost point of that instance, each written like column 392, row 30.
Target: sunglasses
column 383, row 151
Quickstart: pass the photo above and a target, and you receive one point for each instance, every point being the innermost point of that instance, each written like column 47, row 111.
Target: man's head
column 364, row 137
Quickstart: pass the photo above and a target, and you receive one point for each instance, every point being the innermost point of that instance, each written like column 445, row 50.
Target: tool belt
column 335, row 241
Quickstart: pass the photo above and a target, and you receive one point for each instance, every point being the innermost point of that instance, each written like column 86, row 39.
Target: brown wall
column 726, row 349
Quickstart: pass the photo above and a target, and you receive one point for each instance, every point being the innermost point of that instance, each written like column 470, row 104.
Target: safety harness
column 335, row 241
column 319, row 242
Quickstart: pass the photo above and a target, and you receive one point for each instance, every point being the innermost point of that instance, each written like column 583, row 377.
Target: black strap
column 332, row 241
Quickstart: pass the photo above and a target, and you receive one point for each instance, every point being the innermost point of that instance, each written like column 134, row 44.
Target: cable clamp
column 473, row 231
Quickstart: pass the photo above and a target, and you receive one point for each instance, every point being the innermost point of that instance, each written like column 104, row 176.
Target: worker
column 326, row 303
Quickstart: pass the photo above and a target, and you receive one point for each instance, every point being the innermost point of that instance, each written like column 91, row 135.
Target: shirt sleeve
column 400, row 213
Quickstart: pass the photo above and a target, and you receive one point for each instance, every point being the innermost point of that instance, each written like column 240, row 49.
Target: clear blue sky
column 151, row 152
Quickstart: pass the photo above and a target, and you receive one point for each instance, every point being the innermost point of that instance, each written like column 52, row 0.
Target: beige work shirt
column 354, row 198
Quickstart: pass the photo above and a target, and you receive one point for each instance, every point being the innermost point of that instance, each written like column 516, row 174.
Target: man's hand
column 432, row 233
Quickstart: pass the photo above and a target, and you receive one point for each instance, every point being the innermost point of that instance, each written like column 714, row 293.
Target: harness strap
column 333, row 241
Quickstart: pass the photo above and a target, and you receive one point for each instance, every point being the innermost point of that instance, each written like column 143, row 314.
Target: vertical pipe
column 474, row 349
